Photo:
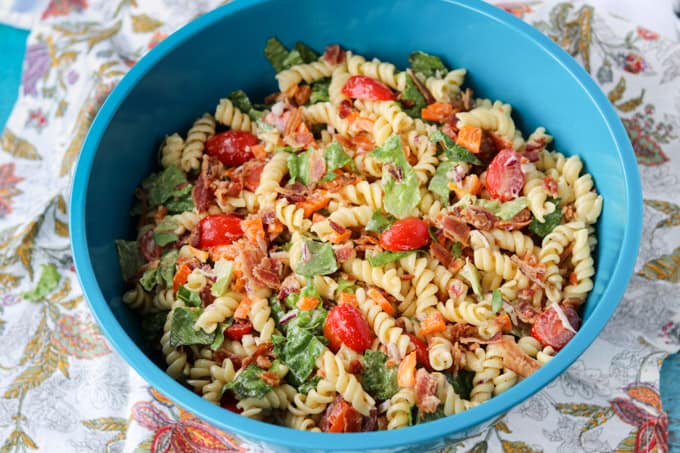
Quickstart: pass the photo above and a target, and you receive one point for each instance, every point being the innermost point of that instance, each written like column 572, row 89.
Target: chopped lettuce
column 427, row 65
column 320, row 91
column 298, row 167
column 166, row 267
column 309, row 320
column 189, row 297
column 241, row 100
column 504, row 211
column 319, row 259
column 439, row 184
column 249, row 384
column 552, row 220
column 223, row 271
column 452, row 150
column 345, row 286
column 276, row 53
column 430, row 416
column 303, row 343
column 496, row 300
column 152, row 325
column 292, row 59
column 402, row 195
column 471, row 275
column 149, row 278
column 307, row 54
column 387, row 257
column 169, row 188
column 182, row 330
column 336, row 158
column 163, row 233
column 379, row 222
column 412, row 99
column 462, row 383
column 309, row 384
column 48, row 282
column 379, row 381
column 129, row 257
column 278, row 310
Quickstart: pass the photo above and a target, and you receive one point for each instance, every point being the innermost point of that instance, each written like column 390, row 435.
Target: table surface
column 658, row 17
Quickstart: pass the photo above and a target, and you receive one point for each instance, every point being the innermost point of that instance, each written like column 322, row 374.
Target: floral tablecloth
column 62, row 388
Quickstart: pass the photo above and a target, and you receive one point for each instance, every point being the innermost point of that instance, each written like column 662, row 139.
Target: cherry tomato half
column 341, row 417
column 238, row 329
column 232, row 148
column 422, row 356
column 219, row 229
column 367, row 89
column 406, row 234
column 549, row 330
column 345, row 324
column 505, row 177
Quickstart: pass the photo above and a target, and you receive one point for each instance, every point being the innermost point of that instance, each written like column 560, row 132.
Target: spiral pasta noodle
column 199, row 133
column 228, row 114
column 309, row 72
column 171, row 150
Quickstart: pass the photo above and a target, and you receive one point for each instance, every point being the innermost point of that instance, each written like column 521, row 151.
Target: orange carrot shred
column 180, row 277
column 438, row 112
column 348, row 298
column 243, row 309
column 378, row 297
column 406, row 373
column 307, row 303
column 433, row 323
column 470, row 137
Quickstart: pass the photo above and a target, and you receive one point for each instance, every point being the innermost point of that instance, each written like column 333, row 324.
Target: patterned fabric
column 62, row 388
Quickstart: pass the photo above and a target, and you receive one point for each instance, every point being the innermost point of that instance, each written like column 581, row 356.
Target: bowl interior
column 187, row 74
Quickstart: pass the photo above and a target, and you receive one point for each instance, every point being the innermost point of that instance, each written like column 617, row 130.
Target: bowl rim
column 430, row 432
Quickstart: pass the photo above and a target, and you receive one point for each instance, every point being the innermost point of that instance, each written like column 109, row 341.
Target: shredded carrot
column 316, row 217
column 339, row 238
column 307, row 303
column 348, row 298
column 504, row 322
column 406, row 373
column 274, row 229
column 201, row 255
column 258, row 151
column 313, row 204
column 243, row 309
column 470, row 137
column 432, row 324
column 471, row 185
column 573, row 278
column 180, row 277
column 381, row 300
column 253, row 229
column 438, row 112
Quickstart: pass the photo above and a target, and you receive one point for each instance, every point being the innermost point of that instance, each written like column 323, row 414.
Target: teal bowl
column 187, row 73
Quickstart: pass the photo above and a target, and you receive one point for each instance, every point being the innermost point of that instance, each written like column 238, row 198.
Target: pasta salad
column 367, row 249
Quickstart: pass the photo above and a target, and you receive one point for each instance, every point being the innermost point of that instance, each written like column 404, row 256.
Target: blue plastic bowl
column 187, row 73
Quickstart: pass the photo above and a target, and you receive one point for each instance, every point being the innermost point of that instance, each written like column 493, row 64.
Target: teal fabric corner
column 12, row 49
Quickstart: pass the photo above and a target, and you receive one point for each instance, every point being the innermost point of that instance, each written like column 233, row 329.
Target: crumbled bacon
column 221, row 354
column 515, row 359
column 262, row 349
column 479, row 217
column 455, row 229
column 456, row 265
column 526, row 312
column 573, row 302
column 426, row 390
column 211, row 171
column 455, row 332
column 336, row 227
column 406, row 277
column 317, row 165
column 150, row 250
column 355, row 366
column 263, row 362
column 533, row 269
column 289, row 285
column 251, row 171
column 344, row 253
column 206, row 295
column 302, row 94
column 521, row 219
column 550, row 185
column 488, row 148
column 467, row 97
column 345, row 109
column 294, row 193
column 441, row 253
column 569, row 212
column 457, row 289
column 294, row 120
column 475, row 338
column 339, row 182
column 270, row 378
column 266, row 274
column 334, row 54
column 533, row 149
column 369, row 422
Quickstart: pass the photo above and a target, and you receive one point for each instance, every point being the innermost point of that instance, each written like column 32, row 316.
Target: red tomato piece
column 422, row 356
column 252, row 174
column 406, row 234
column 549, row 330
column 367, row 89
column 341, row 417
column 345, row 324
column 232, row 148
column 238, row 329
column 505, row 177
column 219, row 229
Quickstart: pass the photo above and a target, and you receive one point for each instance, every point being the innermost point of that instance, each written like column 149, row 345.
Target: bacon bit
column 531, row 267
column 302, row 95
column 569, row 212
column 550, row 185
column 476, row 339
column 359, row 123
column 180, row 277
column 470, row 137
column 426, row 389
column 160, row 213
column 316, row 217
column 456, row 265
column 526, row 312
column 294, row 193
column 302, row 137
column 266, row 275
column 221, row 354
column 263, row 349
column 504, row 322
column 202, row 194
column 433, row 323
column 294, row 121
column 344, row 254
column 526, row 295
column 355, row 366
column 251, row 171
column 348, row 298
column 567, row 251
column 451, row 130
column 243, row 308
column 346, row 109
column 381, row 300
column 334, row 54
column 573, row 302
column 289, row 285
column 421, row 87
column 454, row 332
column 316, row 202
column 270, row 378
column 515, row 359
column 455, row 229
column 336, row 227
column 317, row 165
column 406, row 277
column 226, row 189
column 263, row 362
column 438, row 112
column 521, row 219
column 406, row 373
column 441, row 253
column 361, row 143
column 150, row 250
column 479, row 217
column 339, row 182
column 467, row 96
column 457, row 289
